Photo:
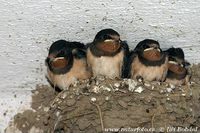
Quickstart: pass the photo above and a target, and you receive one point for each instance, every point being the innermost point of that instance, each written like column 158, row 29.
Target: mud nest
column 109, row 105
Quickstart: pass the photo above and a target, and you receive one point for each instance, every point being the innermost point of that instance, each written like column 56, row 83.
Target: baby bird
column 66, row 63
column 177, row 72
column 107, row 54
column 148, row 61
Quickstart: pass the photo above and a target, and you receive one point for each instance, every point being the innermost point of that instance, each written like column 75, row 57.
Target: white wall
column 28, row 27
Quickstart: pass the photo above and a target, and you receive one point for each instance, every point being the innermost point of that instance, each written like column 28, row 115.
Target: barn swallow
column 177, row 67
column 107, row 54
column 148, row 61
column 66, row 63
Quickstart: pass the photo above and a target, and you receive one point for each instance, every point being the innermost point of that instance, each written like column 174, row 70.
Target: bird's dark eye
column 146, row 46
column 105, row 37
column 62, row 53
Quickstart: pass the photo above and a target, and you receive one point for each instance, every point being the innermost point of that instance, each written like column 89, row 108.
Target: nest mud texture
column 99, row 104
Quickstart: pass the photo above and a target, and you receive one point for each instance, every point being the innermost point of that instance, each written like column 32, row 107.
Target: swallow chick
column 107, row 54
column 66, row 63
column 177, row 67
column 148, row 61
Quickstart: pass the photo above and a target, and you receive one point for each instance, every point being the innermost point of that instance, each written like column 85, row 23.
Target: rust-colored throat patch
column 152, row 54
column 176, row 68
column 109, row 46
column 59, row 62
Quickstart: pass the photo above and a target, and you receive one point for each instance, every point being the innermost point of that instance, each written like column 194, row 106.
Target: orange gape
column 109, row 47
column 152, row 55
column 176, row 68
column 59, row 63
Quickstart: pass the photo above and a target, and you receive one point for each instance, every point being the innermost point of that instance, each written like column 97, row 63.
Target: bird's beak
column 109, row 41
column 51, row 56
column 158, row 50
column 148, row 49
column 58, row 58
column 173, row 62
column 152, row 48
